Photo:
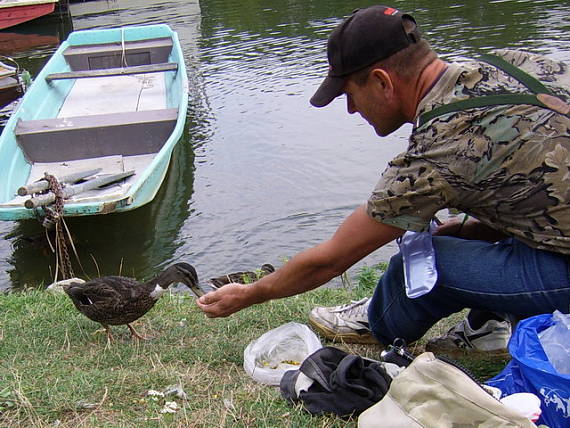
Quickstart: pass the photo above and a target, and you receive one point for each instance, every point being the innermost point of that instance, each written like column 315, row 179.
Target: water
column 260, row 174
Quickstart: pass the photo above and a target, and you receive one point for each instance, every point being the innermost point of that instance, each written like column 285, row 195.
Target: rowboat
column 97, row 127
column 14, row 12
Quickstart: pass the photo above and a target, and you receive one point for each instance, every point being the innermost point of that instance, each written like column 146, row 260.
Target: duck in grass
column 246, row 277
column 116, row 300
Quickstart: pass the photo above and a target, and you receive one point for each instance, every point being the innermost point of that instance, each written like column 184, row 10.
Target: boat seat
column 121, row 71
column 90, row 136
column 113, row 55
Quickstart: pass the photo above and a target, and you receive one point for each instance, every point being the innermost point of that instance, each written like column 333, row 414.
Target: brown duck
column 246, row 277
column 117, row 300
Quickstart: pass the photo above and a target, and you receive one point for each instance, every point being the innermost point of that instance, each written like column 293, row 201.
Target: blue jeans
column 503, row 277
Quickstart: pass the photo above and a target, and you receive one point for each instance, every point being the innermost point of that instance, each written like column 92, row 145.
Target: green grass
column 55, row 371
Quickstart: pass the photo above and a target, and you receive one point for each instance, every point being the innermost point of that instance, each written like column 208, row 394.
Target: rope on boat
column 54, row 217
column 49, row 193
column 123, row 53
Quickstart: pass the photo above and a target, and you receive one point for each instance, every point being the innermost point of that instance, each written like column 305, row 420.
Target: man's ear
column 382, row 78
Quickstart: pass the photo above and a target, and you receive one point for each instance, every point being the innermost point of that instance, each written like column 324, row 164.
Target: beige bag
column 431, row 393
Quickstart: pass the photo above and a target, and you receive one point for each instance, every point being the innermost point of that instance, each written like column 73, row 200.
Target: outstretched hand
column 225, row 301
column 355, row 238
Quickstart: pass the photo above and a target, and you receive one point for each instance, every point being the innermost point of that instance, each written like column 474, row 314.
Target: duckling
column 117, row 300
column 242, row 277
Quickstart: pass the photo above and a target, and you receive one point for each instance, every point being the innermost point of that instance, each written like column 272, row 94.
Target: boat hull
column 70, row 104
column 14, row 15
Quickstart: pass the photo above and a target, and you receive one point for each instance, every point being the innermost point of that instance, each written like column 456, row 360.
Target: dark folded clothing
column 333, row 381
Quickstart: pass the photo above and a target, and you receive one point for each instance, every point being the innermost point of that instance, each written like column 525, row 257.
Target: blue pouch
column 530, row 371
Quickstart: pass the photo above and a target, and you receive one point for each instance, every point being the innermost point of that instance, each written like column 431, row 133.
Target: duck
column 118, row 300
column 246, row 277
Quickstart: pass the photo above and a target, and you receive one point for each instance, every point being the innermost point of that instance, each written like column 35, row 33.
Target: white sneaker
column 345, row 323
column 493, row 338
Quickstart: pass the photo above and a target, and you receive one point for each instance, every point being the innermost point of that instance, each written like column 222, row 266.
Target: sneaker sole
column 458, row 352
column 365, row 339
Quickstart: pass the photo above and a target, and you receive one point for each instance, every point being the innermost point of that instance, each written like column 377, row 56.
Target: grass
column 55, row 371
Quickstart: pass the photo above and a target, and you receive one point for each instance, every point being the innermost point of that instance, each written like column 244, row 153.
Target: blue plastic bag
column 530, row 371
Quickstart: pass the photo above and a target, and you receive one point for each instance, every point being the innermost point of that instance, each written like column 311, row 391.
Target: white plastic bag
column 284, row 348
column 555, row 340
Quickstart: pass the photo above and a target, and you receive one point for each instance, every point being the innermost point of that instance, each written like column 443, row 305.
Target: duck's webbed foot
column 138, row 336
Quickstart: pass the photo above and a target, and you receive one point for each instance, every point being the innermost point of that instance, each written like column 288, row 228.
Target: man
column 483, row 143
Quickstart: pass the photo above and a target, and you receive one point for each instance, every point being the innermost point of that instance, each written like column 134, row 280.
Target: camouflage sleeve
column 408, row 194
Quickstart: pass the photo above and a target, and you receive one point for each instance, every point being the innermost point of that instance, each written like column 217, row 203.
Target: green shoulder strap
column 526, row 79
column 533, row 84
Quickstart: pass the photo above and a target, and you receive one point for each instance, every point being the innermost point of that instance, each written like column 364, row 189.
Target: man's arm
column 356, row 237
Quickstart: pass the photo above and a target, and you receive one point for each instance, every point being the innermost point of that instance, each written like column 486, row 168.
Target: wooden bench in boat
column 91, row 136
column 121, row 71
column 114, row 55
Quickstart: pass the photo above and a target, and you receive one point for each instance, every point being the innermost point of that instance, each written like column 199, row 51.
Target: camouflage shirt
column 508, row 166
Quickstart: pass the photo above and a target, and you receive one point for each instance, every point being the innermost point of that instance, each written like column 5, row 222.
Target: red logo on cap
column 390, row 11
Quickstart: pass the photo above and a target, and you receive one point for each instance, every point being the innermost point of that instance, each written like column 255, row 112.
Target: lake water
column 259, row 174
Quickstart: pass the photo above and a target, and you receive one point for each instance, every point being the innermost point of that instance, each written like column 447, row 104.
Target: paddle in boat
column 95, row 131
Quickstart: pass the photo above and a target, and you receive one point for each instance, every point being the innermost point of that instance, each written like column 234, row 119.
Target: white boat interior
column 6, row 70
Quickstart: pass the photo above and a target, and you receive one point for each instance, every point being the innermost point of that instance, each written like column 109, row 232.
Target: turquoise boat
column 97, row 127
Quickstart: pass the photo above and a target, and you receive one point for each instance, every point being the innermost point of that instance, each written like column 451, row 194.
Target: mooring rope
column 123, row 52
column 54, row 217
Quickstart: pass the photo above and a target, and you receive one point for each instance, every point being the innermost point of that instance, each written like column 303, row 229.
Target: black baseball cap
column 368, row 35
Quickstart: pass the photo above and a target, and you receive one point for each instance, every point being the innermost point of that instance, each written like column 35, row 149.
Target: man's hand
column 468, row 229
column 451, row 227
column 225, row 301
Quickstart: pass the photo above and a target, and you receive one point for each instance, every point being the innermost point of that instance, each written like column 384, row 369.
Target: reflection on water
column 259, row 174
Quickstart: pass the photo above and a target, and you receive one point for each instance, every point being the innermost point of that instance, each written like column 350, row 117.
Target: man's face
column 376, row 103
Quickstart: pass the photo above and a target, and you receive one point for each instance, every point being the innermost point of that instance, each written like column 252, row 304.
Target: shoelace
column 357, row 308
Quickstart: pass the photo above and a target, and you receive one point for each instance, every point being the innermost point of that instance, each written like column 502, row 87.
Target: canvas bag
column 431, row 393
